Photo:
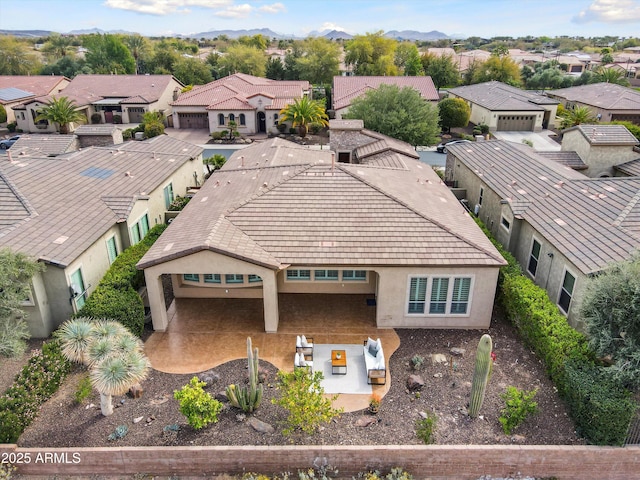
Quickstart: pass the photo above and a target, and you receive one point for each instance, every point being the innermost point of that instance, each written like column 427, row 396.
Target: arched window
column 275, row 116
column 232, row 117
column 220, row 119
column 242, row 119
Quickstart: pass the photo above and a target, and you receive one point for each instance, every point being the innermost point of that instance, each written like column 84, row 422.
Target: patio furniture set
column 373, row 358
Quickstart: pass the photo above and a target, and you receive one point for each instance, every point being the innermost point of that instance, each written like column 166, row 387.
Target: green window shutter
column 234, row 278
column 191, row 277
column 212, row 278
column 135, row 234
column 417, row 294
column 77, row 282
column 112, row 249
column 168, row 195
column 439, row 291
column 460, row 297
column 144, row 225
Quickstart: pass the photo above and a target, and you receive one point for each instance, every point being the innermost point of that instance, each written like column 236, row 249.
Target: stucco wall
column 38, row 314
column 599, row 158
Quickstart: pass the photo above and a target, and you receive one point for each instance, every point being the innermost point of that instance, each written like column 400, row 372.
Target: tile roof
column 592, row 221
column 605, row 134
column 73, row 199
column 345, row 89
column 631, row 168
column 276, row 204
column 234, row 103
column 36, row 84
column 99, row 129
column 608, row 96
column 568, row 159
column 502, row 97
column 86, row 89
column 38, row 145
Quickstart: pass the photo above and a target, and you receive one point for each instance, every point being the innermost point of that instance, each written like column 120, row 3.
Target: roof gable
column 345, row 89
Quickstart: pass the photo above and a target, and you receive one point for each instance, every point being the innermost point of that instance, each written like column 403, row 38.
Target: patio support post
column 270, row 299
column 156, row 300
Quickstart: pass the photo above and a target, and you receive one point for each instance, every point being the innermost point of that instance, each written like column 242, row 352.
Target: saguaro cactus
column 248, row 397
column 480, row 374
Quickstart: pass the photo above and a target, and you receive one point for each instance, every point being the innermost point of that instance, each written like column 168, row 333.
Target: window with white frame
column 506, row 224
column 298, row 274
column 254, row 278
column 168, row 195
column 191, row 277
column 534, row 258
column 447, row 295
column 212, row 278
column 232, row 117
column 234, row 278
column 566, row 291
column 243, row 119
column 139, row 229
column 220, row 119
column 112, row 249
column 354, row 275
column 325, row 275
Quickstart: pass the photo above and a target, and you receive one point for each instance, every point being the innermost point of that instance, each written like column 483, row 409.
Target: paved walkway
column 542, row 140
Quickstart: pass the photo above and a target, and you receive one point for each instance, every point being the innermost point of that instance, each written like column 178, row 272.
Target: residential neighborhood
column 235, row 239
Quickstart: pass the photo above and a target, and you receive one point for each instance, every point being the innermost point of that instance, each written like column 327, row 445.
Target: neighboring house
column 17, row 89
column 607, row 101
column 600, row 147
column 116, row 98
column 76, row 212
column 506, row 108
column 346, row 88
column 253, row 103
column 561, row 226
column 280, row 218
column 43, row 145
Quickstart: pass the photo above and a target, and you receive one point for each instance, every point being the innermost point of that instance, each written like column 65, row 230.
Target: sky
column 464, row 18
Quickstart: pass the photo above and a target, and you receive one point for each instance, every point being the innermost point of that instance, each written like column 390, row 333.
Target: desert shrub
column 426, row 427
column 3, row 114
column 116, row 296
column 127, row 134
column 512, row 267
column 518, row 406
column 600, row 406
column 117, row 119
column 303, row 397
column 11, row 126
column 198, row 406
column 484, row 128
column 36, row 382
column 321, row 472
column 96, row 118
column 396, row 473
column 527, row 142
column 219, row 135
column 282, row 127
column 83, row 390
column 314, row 128
column 153, row 129
column 417, row 361
column 293, row 131
column 179, row 203
column 471, row 138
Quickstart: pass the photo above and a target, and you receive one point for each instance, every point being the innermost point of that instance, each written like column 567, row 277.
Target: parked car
column 442, row 148
column 8, row 142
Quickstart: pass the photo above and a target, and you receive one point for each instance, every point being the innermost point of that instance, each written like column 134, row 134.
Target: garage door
column 135, row 114
column 194, row 120
column 516, row 123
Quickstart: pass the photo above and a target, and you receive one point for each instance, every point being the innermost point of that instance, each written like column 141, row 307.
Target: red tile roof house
column 345, row 89
column 16, row 89
column 254, row 103
column 128, row 96
column 282, row 218
column 76, row 212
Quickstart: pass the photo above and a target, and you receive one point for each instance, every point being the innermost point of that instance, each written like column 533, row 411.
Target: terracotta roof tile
column 345, row 89
column 607, row 96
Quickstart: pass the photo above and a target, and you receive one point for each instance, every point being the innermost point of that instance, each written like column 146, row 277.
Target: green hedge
column 38, row 380
column 116, row 296
column 600, row 407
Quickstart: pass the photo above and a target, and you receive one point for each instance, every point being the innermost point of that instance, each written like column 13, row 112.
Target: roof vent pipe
column 333, row 161
column 9, row 156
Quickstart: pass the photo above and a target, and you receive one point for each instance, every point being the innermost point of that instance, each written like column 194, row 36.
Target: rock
column 260, row 426
column 463, row 411
column 415, row 383
column 423, row 414
column 91, row 405
column 437, row 375
column 136, row 391
column 137, row 420
column 365, row 421
column 241, row 417
column 458, row 352
column 438, row 358
column 164, row 398
column 122, row 401
column 519, row 439
column 222, row 397
column 209, row 378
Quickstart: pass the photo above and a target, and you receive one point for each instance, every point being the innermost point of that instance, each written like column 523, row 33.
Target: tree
column 442, row 70
column 164, row 58
column 291, row 65
column 499, row 68
column 16, row 271
column 304, row 112
column 114, row 356
column 243, row 59
column 139, row 48
column 61, row 111
column 15, row 58
column 67, row 66
column 371, row 54
column 407, row 59
column 399, row 113
column 321, row 61
column 454, row 112
column 108, row 54
column 57, row 47
column 274, row 69
column 192, row 71
column 577, row 116
column 153, row 124
column 217, row 161
column 606, row 56
column 611, row 75
column 611, row 312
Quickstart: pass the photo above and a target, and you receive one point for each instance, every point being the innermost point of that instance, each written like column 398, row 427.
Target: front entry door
column 262, row 122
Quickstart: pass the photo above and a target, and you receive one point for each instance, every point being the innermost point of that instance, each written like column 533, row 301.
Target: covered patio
column 204, row 333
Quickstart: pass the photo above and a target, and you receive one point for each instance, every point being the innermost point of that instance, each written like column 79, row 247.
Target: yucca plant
column 75, row 335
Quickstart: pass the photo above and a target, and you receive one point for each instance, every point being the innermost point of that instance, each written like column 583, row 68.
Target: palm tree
column 217, row 161
column 612, row 75
column 62, row 112
column 577, row 116
column 303, row 112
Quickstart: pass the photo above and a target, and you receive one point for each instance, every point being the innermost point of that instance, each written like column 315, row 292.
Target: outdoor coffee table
column 338, row 362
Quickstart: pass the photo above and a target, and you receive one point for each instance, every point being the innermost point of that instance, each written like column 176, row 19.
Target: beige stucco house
column 17, row 89
column 76, row 212
column 253, row 103
column 506, row 108
column 281, row 218
column 116, row 98
column 347, row 88
column 561, row 226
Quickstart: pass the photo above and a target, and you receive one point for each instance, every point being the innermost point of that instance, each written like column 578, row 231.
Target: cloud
column 235, row 11
column 164, row 7
column 610, row 11
column 275, row 8
column 331, row 26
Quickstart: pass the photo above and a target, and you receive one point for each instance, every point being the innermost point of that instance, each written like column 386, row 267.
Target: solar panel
column 94, row 172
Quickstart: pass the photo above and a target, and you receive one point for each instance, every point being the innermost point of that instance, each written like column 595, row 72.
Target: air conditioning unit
column 139, row 136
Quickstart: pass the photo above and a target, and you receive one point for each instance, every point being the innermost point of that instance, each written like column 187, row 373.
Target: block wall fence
column 433, row 462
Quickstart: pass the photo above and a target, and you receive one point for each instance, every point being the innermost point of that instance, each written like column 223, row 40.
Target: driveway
column 542, row 141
